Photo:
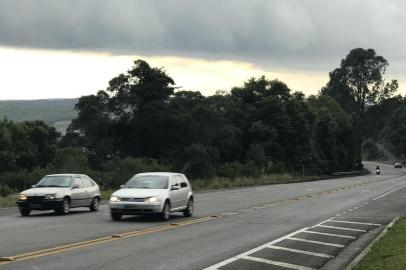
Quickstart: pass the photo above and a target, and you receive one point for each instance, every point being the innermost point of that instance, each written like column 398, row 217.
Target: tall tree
column 359, row 81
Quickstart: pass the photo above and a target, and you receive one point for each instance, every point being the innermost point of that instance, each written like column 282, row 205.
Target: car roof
column 66, row 174
column 159, row 173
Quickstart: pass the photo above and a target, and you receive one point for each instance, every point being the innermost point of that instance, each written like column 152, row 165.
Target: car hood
column 44, row 191
column 139, row 192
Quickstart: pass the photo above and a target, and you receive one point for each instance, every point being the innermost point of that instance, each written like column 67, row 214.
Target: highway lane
column 280, row 209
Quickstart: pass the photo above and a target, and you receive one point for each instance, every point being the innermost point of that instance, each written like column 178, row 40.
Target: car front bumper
column 132, row 208
column 41, row 205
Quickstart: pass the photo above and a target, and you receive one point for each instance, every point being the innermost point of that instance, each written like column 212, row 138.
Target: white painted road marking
column 331, row 234
column 342, row 228
column 353, row 222
column 288, row 265
column 302, row 252
column 315, row 242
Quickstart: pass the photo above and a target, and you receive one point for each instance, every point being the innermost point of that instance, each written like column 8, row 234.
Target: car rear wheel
column 115, row 216
column 65, row 207
column 166, row 211
column 94, row 205
column 189, row 210
column 25, row 212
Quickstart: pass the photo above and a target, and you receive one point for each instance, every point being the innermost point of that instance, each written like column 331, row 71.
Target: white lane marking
column 229, row 213
column 387, row 193
column 236, row 196
column 249, row 252
column 302, row 252
column 342, row 228
column 220, row 264
column 316, row 242
column 331, row 234
column 353, row 222
column 288, row 265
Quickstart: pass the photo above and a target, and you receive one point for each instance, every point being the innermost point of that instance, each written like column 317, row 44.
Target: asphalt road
column 226, row 224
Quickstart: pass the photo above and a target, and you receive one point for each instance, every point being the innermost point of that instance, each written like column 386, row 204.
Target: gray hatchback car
column 60, row 192
column 153, row 193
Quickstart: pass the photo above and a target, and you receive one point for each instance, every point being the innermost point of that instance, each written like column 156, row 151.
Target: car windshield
column 55, row 181
column 148, row 181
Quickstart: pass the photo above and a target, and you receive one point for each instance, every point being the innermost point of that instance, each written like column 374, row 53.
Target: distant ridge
column 50, row 111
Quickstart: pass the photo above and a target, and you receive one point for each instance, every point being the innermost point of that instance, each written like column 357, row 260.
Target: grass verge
column 389, row 252
column 8, row 201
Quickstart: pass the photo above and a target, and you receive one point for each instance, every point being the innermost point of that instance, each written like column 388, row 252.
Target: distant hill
column 56, row 112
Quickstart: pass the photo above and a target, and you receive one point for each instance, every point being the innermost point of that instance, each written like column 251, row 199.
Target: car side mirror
column 175, row 187
column 75, row 186
column 122, row 186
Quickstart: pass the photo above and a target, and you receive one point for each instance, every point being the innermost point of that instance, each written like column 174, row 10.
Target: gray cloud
column 311, row 34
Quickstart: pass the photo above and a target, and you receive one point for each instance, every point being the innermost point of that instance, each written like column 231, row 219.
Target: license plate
column 35, row 205
column 129, row 206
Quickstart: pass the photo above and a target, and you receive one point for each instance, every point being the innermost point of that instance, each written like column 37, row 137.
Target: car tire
column 115, row 216
column 94, row 205
column 25, row 212
column 190, row 208
column 64, row 210
column 166, row 211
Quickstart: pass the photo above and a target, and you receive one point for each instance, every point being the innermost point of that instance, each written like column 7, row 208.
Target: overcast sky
column 68, row 48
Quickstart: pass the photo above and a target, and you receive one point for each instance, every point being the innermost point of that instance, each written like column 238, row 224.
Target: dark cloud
column 311, row 34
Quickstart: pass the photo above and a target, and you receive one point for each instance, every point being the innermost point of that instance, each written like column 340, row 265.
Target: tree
column 360, row 80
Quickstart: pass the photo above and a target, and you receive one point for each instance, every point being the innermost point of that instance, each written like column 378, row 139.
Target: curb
column 368, row 248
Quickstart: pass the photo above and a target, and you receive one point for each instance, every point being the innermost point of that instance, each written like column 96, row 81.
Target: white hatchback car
column 60, row 192
column 153, row 193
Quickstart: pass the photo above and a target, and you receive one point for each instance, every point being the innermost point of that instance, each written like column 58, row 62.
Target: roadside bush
column 118, row 171
column 236, row 169
column 5, row 190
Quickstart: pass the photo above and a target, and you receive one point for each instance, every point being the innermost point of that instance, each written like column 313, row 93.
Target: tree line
column 140, row 122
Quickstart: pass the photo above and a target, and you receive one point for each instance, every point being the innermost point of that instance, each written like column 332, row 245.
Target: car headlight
column 22, row 197
column 114, row 199
column 50, row 197
column 150, row 199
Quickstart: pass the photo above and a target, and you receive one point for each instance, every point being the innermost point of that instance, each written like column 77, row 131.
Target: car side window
column 183, row 183
column 174, row 181
column 92, row 183
column 78, row 181
column 86, row 182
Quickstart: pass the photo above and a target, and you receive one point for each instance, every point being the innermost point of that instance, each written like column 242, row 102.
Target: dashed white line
column 353, row 222
column 315, row 242
column 342, row 228
column 331, row 234
column 288, row 265
column 302, row 252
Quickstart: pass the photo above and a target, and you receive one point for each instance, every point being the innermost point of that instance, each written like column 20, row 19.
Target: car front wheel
column 25, row 212
column 166, row 211
column 94, row 205
column 189, row 210
column 64, row 210
column 115, row 216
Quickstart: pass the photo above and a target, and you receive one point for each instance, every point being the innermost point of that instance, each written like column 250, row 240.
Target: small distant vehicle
column 397, row 165
column 158, row 193
column 378, row 171
column 60, row 192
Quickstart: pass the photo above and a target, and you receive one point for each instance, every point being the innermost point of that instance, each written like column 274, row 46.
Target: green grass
column 8, row 201
column 389, row 252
